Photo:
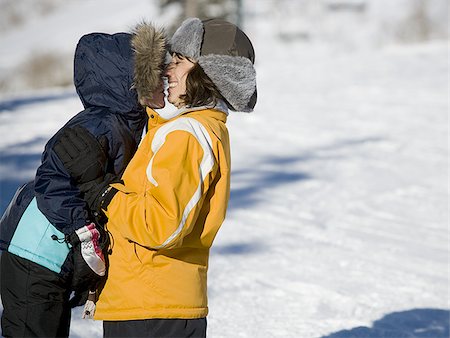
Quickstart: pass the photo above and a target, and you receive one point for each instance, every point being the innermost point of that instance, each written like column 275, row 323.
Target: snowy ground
column 338, row 217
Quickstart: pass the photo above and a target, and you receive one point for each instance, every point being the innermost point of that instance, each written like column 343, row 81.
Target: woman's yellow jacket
column 164, row 218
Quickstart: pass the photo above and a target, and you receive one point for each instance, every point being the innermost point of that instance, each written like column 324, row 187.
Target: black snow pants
column 35, row 299
column 152, row 328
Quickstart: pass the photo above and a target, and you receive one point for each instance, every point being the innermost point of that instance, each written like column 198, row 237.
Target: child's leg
column 35, row 299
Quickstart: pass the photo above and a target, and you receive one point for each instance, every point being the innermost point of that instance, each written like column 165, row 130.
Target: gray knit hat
column 225, row 54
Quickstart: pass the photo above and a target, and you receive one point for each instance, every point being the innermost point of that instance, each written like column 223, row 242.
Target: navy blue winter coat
column 103, row 77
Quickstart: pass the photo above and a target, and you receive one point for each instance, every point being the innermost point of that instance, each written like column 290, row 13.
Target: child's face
column 157, row 100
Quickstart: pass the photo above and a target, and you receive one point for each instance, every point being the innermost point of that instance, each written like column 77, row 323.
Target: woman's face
column 176, row 73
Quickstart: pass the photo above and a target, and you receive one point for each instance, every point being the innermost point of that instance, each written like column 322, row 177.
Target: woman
column 164, row 216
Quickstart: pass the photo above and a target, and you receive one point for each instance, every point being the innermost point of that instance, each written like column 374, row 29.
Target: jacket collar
column 167, row 115
column 156, row 118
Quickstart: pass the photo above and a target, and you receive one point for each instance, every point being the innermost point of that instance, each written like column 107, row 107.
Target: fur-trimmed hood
column 225, row 54
column 149, row 46
column 103, row 72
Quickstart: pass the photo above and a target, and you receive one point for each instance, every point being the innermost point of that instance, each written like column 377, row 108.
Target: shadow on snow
column 22, row 162
column 19, row 164
column 277, row 170
column 417, row 323
column 236, row 249
column 14, row 104
column 248, row 196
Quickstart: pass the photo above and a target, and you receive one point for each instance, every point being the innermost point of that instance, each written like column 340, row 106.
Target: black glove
column 98, row 193
column 79, row 298
column 82, row 155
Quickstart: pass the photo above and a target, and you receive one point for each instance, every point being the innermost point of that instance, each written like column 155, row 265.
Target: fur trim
column 188, row 38
column 149, row 45
column 234, row 76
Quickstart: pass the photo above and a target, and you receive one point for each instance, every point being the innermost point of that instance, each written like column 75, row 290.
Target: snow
column 338, row 218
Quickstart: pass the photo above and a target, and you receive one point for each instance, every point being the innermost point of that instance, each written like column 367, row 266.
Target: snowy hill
column 338, row 219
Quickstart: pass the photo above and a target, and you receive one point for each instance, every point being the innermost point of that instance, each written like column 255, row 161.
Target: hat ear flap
column 234, row 77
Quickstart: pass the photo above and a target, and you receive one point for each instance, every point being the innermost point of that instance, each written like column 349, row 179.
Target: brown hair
column 200, row 90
